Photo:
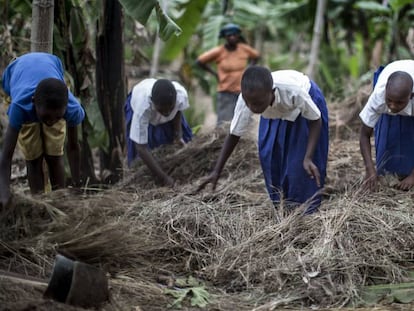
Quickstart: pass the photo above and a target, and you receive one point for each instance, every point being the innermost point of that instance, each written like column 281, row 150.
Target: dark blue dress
column 282, row 147
column 158, row 135
column 394, row 142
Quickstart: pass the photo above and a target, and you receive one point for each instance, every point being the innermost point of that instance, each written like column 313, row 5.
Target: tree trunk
column 74, row 60
column 259, row 38
column 410, row 40
column 376, row 59
column 157, row 45
column 110, row 84
column 316, row 39
column 41, row 36
column 156, row 56
column 41, row 40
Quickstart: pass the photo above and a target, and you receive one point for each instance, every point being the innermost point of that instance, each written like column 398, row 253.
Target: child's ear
column 412, row 95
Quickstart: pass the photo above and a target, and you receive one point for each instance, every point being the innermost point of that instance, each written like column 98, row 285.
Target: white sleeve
column 306, row 105
column 182, row 97
column 241, row 118
column 139, row 128
column 141, row 115
column 371, row 112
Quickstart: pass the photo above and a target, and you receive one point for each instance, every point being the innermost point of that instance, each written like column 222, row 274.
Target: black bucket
column 77, row 283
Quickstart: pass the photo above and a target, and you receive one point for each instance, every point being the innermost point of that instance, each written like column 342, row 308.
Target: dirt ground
column 229, row 249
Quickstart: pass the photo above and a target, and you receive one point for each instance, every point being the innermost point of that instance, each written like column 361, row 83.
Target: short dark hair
column 51, row 93
column 401, row 80
column 256, row 78
column 163, row 93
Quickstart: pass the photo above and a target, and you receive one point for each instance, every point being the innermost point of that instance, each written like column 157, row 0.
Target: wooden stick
column 21, row 278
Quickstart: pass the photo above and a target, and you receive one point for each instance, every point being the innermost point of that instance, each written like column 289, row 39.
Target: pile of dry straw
column 246, row 253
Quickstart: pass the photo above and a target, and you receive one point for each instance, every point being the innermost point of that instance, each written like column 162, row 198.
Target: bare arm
column 309, row 166
column 253, row 61
column 227, row 149
column 10, row 140
column 73, row 150
column 178, row 130
column 207, row 68
column 152, row 164
column 365, row 147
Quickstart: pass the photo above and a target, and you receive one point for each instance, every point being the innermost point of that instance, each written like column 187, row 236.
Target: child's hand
column 180, row 141
column 406, row 184
column 312, row 171
column 370, row 181
column 212, row 178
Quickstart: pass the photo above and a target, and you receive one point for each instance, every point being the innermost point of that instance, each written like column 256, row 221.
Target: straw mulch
column 245, row 253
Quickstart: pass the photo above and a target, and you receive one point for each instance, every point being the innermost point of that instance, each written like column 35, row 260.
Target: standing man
column 231, row 60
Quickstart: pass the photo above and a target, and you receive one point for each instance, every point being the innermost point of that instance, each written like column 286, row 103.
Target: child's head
column 398, row 91
column 164, row 96
column 257, row 88
column 50, row 100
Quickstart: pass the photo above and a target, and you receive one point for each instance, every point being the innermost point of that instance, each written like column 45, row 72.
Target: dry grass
column 247, row 254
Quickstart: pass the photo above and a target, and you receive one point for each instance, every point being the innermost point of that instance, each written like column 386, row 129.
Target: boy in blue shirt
column 42, row 111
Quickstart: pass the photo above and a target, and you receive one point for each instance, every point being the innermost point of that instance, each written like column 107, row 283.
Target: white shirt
column 291, row 99
column 376, row 102
column 144, row 112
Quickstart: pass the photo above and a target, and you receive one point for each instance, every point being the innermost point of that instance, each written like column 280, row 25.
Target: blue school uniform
column 394, row 142
column 158, row 135
column 282, row 147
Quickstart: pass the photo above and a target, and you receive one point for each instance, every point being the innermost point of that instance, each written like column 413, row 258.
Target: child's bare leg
column 35, row 175
column 56, row 171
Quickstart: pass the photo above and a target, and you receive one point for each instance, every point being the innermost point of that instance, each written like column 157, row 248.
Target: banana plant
column 141, row 10
column 392, row 11
column 109, row 117
column 14, row 29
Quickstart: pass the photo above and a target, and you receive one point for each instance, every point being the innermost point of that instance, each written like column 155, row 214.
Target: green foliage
column 372, row 6
column 390, row 293
column 166, row 25
column 334, row 69
column 271, row 16
column 210, row 32
column 397, row 5
column 78, row 28
column 141, row 11
column 14, row 29
column 354, row 63
column 194, row 117
column 189, row 288
column 97, row 133
column 328, row 80
column 188, row 22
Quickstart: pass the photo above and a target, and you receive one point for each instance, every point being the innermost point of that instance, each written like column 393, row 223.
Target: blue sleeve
column 16, row 117
column 6, row 80
column 74, row 112
column 60, row 66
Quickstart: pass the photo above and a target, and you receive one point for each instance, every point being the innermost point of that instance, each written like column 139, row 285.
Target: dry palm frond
column 246, row 252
